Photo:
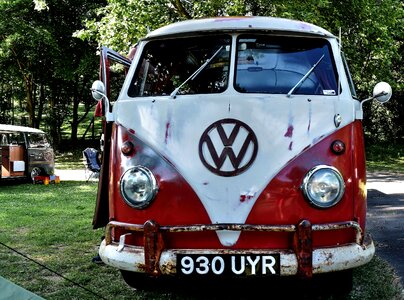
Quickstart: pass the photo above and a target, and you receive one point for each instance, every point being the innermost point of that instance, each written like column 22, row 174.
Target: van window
column 16, row 138
column 37, row 140
column 4, row 139
column 166, row 64
column 273, row 64
column 348, row 76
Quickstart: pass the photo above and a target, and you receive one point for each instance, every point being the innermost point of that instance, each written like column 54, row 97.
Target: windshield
column 278, row 65
column 37, row 140
column 166, row 65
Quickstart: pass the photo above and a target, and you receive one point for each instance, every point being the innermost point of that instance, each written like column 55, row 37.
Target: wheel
column 35, row 172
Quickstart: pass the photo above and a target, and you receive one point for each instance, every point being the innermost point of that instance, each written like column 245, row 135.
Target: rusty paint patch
column 246, row 197
column 153, row 246
column 169, row 268
column 289, row 131
column 303, row 247
column 167, row 134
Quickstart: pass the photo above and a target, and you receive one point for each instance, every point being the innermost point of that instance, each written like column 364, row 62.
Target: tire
column 35, row 172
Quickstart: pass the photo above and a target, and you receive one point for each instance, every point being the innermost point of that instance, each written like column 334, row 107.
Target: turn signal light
column 127, row 148
column 338, row 147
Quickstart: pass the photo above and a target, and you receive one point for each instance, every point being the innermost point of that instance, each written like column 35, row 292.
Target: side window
column 348, row 76
column 114, row 68
column 117, row 76
column 4, row 139
column 17, row 138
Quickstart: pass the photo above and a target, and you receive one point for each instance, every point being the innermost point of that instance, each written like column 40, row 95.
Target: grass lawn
column 69, row 160
column 385, row 158
column 52, row 225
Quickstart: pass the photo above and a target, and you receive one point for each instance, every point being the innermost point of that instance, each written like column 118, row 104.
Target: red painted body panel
column 359, row 174
column 281, row 202
column 175, row 204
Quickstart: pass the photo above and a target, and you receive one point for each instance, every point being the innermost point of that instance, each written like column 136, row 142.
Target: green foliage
column 121, row 23
column 385, row 157
column 47, row 71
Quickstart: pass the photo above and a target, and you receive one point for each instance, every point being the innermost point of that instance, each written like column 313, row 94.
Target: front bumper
column 303, row 260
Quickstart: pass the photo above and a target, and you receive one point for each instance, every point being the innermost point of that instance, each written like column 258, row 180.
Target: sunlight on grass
column 69, row 160
column 84, row 125
column 385, row 158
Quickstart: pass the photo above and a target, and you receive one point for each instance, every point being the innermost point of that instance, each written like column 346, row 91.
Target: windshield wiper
column 304, row 77
column 192, row 77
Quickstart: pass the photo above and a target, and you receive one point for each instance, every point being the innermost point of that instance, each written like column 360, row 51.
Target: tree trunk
column 42, row 100
column 75, row 114
column 53, row 120
column 29, row 89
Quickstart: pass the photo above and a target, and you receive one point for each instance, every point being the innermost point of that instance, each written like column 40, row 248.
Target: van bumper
column 300, row 261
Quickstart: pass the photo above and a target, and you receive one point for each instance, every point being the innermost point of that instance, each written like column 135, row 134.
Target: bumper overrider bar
column 303, row 260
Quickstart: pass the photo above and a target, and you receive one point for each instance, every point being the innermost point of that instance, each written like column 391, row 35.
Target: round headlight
column 138, row 187
column 323, row 186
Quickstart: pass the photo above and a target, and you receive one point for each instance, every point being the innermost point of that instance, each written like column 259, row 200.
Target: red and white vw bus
column 234, row 148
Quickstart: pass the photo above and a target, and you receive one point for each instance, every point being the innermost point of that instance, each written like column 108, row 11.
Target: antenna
column 340, row 38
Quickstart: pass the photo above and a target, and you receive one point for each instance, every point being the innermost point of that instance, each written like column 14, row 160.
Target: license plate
column 228, row 264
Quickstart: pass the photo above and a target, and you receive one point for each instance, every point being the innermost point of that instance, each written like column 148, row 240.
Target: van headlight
column 323, row 186
column 138, row 187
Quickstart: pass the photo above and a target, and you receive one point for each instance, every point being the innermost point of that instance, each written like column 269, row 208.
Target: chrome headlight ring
column 323, row 186
column 138, row 187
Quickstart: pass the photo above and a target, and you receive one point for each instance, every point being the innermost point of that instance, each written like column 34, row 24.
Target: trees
column 19, row 56
column 371, row 32
column 76, row 64
column 46, row 71
column 40, row 58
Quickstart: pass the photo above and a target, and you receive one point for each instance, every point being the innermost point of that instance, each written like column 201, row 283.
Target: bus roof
column 280, row 25
column 14, row 128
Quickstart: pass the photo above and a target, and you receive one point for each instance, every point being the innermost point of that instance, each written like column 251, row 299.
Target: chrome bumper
column 303, row 260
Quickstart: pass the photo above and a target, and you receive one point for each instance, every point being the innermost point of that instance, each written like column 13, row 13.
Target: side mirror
column 382, row 92
column 98, row 90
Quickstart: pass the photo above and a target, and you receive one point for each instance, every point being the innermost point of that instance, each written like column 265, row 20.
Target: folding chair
column 91, row 163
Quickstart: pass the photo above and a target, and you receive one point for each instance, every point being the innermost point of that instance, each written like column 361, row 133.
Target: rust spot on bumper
column 302, row 240
column 153, row 246
column 303, row 247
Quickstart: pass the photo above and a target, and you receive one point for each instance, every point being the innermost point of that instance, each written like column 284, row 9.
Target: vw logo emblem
column 228, row 147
